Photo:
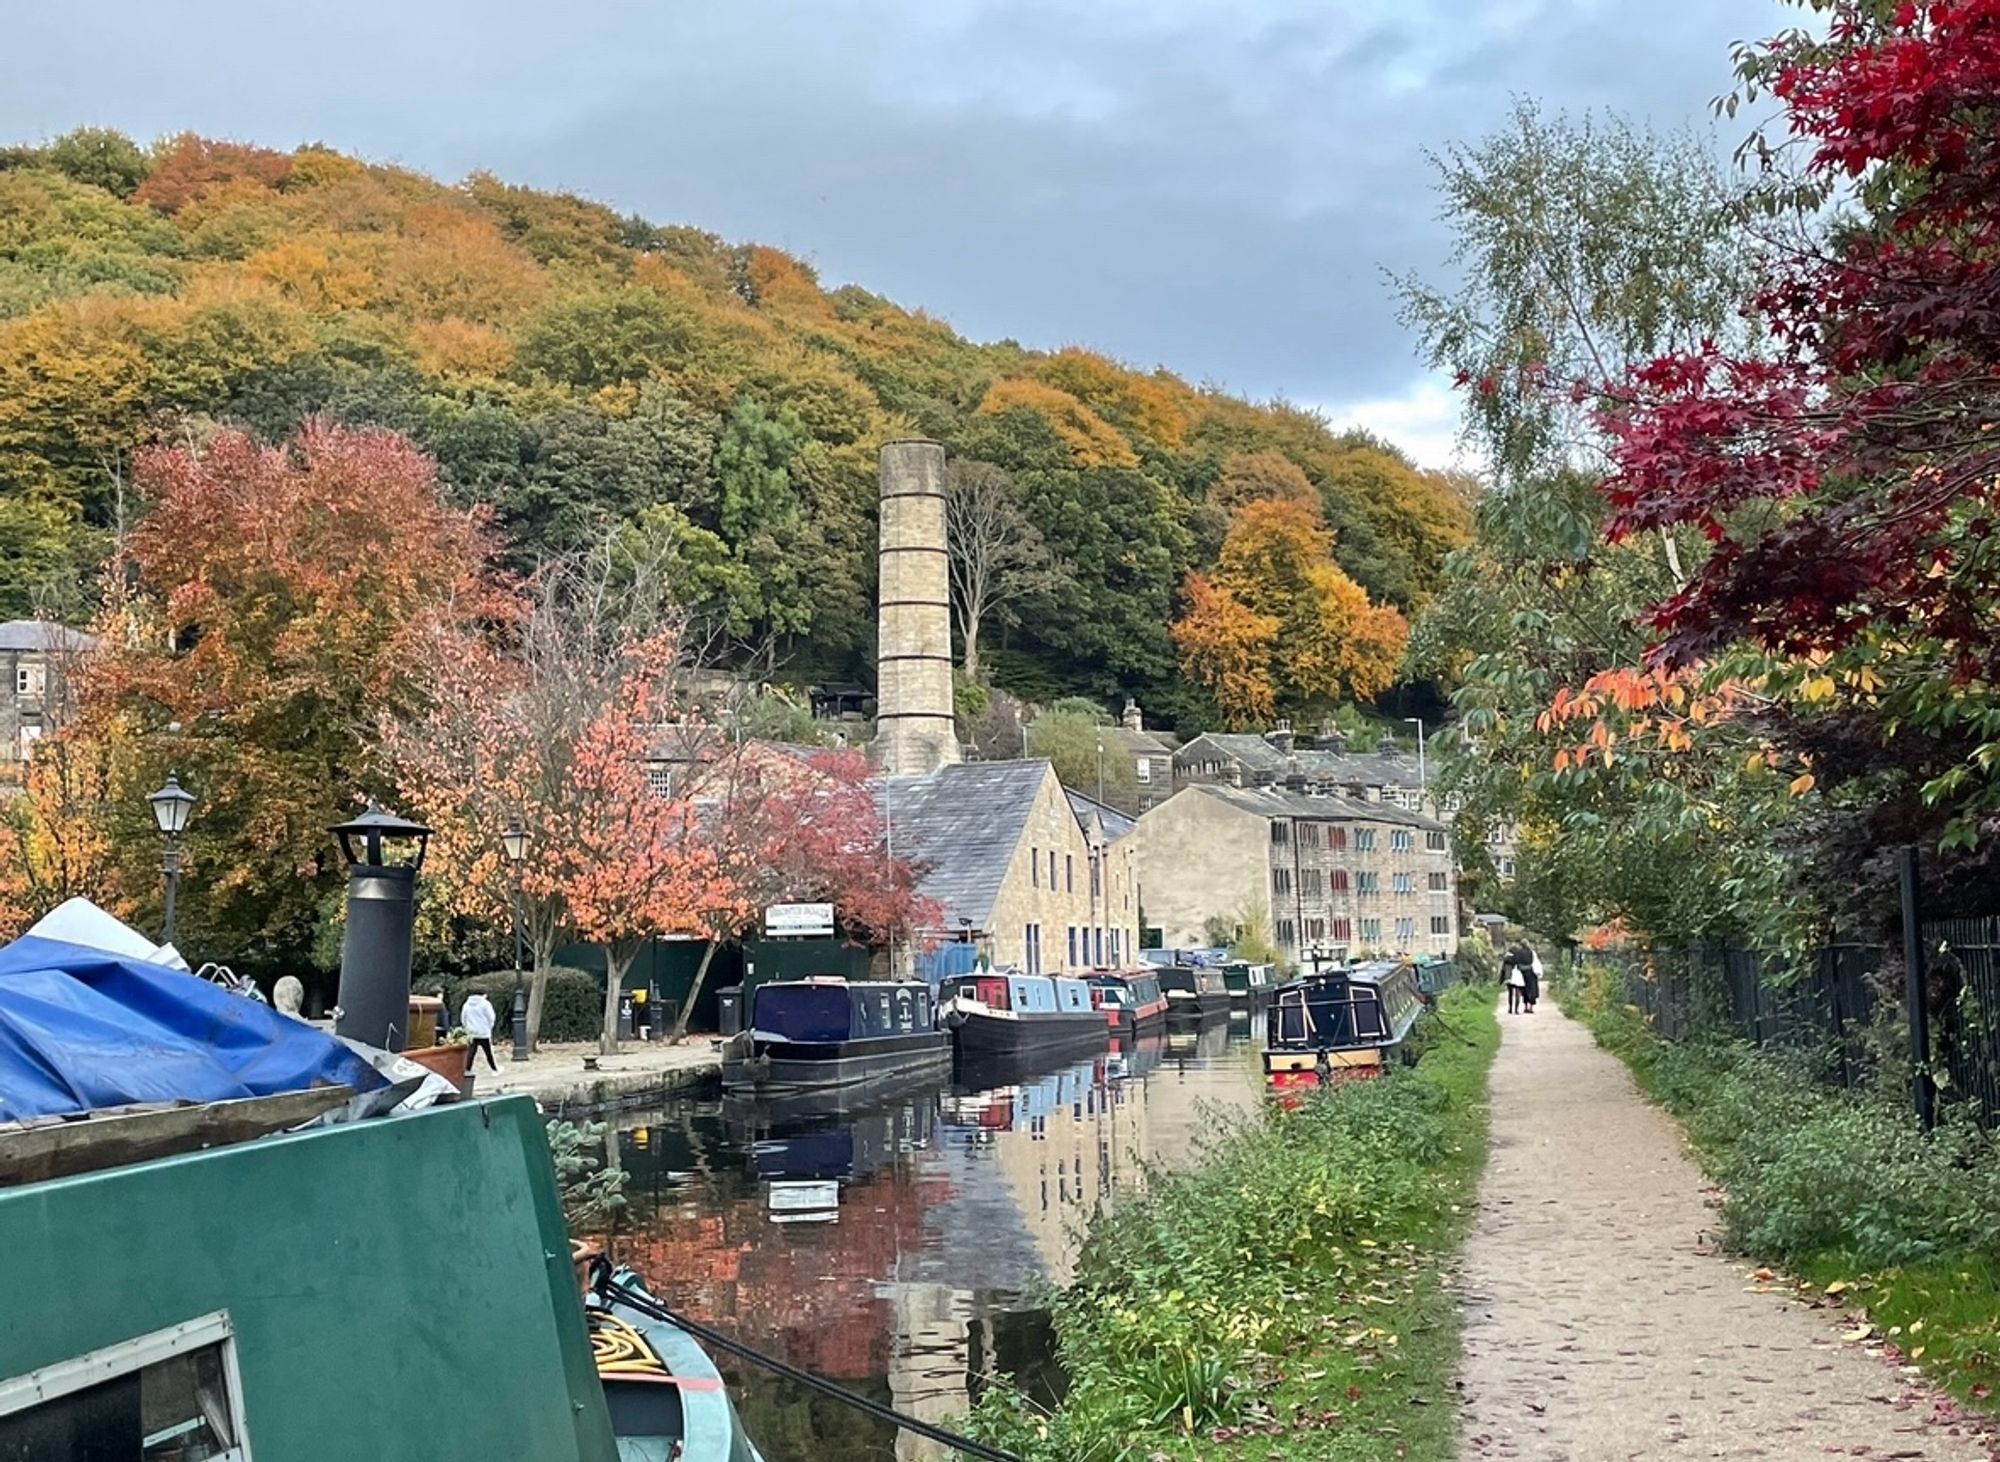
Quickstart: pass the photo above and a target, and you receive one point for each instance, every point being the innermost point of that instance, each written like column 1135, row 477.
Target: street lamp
column 171, row 806
column 1423, row 777
column 514, row 842
column 1100, row 771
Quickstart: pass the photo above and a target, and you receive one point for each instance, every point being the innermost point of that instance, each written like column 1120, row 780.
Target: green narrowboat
column 1250, row 985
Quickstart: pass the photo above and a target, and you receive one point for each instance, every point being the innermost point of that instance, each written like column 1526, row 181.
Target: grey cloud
column 1206, row 184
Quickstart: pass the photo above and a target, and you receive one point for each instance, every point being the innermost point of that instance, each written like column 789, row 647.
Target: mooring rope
column 646, row 1305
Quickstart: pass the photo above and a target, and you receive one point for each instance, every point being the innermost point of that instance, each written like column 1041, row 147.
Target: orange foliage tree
column 1226, row 646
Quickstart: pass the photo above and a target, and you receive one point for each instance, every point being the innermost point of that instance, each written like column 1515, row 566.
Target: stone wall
column 915, row 733
column 1055, row 897
column 1200, row 857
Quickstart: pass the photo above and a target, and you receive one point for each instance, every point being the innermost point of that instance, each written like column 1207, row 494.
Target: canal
column 897, row 1248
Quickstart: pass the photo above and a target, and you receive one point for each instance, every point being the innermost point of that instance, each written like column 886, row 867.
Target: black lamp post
column 171, row 806
column 514, row 842
column 384, row 854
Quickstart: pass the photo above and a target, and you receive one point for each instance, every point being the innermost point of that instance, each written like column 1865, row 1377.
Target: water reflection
column 897, row 1248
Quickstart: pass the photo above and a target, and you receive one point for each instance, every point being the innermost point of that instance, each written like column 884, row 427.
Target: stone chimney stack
column 914, row 730
column 1280, row 737
column 1387, row 746
column 1133, row 718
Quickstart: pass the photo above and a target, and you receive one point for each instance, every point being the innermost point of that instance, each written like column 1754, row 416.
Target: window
column 1339, row 880
column 1406, row 930
column 1098, row 942
column 1364, row 840
column 1438, row 882
column 1496, row 836
column 1399, row 840
column 1371, row 931
column 1034, row 867
column 1142, row 769
column 1309, row 835
column 1031, row 940
column 1336, row 839
column 1281, row 882
column 1281, row 832
column 1116, row 953
column 1440, row 924
column 1403, row 882
column 1052, row 870
column 1367, row 883
column 1343, row 929
column 1069, row 873
column 1312, row 883
column 1506, row 867
column 1288, row 934
column 172, row 1394
column 29, row 736
column 24, row 680
column 1072, row 944
column 1436, row 842
column 1096, row 875
column 1316, row 931
column 660, row 779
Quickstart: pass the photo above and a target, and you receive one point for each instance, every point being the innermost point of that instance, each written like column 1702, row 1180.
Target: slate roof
column 1140, row 743
column 1281, row 802
column 962, row 824
column 1354, row 768
column 41, row 634
column 1116, row 823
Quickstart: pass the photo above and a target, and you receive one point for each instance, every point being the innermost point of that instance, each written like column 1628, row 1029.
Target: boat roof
column 842, row 982
column 1369, row 972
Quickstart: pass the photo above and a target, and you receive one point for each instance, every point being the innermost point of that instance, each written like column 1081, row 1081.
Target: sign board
column 787, row 920
column 804, row 1197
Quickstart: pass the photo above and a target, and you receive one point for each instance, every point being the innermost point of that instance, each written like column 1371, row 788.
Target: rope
column 647, row 1305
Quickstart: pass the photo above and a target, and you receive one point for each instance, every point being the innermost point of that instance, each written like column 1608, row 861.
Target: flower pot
column 446, row 1061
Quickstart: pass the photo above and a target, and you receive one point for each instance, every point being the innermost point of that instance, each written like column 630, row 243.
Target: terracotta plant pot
column 446, row 1061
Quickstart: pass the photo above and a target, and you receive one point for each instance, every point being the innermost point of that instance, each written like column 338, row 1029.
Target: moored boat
column 1248, row 984
column 1339, row 1022
column 1194, row 992
column 1131, row 1000
column 1006, row 1013
column 830, row 1032
column 666, row 1398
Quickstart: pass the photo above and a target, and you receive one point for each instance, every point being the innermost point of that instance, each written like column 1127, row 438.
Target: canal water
column 898, row 1248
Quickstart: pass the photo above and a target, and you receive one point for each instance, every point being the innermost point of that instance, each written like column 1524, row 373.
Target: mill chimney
column 915, row 733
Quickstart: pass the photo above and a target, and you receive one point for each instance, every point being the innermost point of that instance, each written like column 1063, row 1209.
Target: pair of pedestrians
column 1521, row 973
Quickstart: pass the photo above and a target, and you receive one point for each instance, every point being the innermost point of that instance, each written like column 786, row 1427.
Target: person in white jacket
column 476, row 1016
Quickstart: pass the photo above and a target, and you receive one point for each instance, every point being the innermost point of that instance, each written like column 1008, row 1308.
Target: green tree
column 1086, row 758
column 100, row 157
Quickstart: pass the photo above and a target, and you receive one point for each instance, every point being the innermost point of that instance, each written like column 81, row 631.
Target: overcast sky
column 1210, row 185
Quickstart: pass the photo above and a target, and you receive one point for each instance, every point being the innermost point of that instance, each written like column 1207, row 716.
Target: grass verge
column 1898, row 1231
column 1286, row 1294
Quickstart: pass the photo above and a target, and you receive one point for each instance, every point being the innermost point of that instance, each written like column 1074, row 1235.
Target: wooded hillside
column 568, row 366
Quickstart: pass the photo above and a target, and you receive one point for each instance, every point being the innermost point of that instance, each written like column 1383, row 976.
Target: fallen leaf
column 1839, row 1286
column 1859, row 1332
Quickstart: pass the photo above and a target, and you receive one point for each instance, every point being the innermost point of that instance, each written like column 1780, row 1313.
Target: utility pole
column 1423, row 771
column 1917, row 991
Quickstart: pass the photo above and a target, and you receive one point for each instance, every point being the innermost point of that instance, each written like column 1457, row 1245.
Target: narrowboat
column 1194, row 992
column 827, row 1032
column 1131, row 1000
column 1248, row 984
column 1339, row 1022
column 1007, row 1013
column 666, row 1398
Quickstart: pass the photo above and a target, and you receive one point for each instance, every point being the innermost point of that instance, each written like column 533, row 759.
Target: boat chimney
column 915, row 730
column 384, row 854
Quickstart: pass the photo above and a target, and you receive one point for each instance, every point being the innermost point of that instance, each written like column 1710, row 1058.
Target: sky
column 1215, row 186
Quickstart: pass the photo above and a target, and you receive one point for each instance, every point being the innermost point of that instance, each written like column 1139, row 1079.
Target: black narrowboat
column 827, row 1032
column 1194, row 992
column 1007, row 1013
column 1339, row 1022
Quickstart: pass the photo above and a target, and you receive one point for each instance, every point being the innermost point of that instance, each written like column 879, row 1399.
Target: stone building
column 1151, row 754
column 1331, row 874
column 33, row 656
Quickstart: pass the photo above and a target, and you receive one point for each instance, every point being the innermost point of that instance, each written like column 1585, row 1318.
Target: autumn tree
column 1227, row 647
column 280, row 602
column 998, row 557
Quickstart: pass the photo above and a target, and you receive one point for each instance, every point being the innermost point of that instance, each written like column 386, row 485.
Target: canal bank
column 571, row 1079
column 1288, row 1292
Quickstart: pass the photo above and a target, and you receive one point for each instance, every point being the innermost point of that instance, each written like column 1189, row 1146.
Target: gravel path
column 1600, row 1325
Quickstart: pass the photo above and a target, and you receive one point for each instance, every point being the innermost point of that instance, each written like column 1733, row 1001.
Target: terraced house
column 1332, row 875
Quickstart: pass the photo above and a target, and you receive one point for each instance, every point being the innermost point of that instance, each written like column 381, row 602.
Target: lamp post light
column 1100, row 771
column 384, row 854
column 514, row 842
column 171, row 806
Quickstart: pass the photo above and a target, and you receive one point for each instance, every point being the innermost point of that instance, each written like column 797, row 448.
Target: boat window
column 802, row 1012
column 174, row 1394
column 905, row 1010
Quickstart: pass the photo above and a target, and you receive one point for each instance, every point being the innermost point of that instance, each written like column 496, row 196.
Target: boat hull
column 983, row 1034
column 777, row 1067
column 1131, row 1020
column 685, row 1416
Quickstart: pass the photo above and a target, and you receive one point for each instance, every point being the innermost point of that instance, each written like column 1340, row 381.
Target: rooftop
column 1116, row 824
column 43, row 634
column 962, row 824
column 1283, row 802
column 1357, row 768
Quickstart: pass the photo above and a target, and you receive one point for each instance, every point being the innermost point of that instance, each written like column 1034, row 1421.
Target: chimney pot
column 1387, row 745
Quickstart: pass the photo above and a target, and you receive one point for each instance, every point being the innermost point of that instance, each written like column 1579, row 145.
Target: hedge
column 573, row 1009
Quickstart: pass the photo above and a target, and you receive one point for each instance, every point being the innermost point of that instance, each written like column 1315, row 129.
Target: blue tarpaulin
column 81, row 1030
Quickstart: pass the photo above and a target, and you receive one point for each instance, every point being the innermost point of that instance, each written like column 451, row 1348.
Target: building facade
column 1151, row 755
column 1328, row 874
column 33, row 656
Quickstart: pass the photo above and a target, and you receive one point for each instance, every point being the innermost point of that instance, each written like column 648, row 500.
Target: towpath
column 641, row 1074
column 1601, row 1324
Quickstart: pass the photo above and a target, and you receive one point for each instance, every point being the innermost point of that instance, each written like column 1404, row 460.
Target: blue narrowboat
column 830, row 1032
column 1341, row 1020
column 1007, row 1013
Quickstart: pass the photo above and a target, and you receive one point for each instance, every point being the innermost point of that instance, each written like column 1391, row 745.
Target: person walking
column 1514, row 975
column 476, row 1016
column 1531, row 988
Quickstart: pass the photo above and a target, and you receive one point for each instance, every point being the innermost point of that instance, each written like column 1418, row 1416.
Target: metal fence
column 1830, row 1009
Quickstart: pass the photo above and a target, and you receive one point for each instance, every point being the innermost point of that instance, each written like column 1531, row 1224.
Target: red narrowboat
column 1131, row 1000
